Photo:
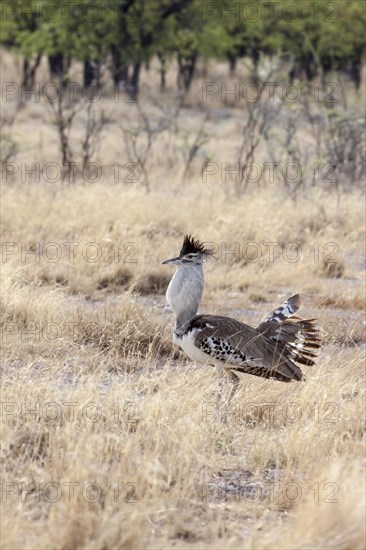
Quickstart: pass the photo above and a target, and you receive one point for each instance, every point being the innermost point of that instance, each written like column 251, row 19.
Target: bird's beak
column 172, row 261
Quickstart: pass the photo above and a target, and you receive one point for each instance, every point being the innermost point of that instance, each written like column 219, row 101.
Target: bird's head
column 193, row 252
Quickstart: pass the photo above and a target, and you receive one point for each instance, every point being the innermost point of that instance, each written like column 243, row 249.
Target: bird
column 272, row 350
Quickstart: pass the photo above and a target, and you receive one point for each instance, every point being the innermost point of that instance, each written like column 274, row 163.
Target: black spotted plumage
column 221, row 350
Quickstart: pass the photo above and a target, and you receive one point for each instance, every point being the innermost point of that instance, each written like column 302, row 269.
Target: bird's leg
column 235, row 383
column 221, row 410
column 220, row 372
column 235, row 380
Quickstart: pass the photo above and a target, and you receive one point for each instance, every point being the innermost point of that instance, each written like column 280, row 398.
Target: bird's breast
column 186, row 342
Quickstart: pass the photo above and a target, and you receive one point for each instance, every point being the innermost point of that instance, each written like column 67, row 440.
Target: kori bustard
column 271, row 350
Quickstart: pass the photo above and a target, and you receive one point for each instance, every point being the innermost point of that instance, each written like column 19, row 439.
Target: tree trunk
column 186, row 70
column 293, row 72
column 355, row 70
column 91, row 73
column 56, row 65
column 232, row 63
column 59, row 66
column 162, row 60
column 134, row 83
column 29, row 73
column 303, row 68
column 310, row 67
column 255, row 54
column 120, row 73
column 119, row 69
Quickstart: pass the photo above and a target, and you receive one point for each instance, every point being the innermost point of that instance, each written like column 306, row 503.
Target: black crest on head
column 192, row 246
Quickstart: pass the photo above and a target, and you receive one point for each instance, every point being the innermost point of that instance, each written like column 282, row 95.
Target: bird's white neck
column 184, row 294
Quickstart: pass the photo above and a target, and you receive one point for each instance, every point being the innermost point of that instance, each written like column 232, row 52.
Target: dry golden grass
column 108, row 436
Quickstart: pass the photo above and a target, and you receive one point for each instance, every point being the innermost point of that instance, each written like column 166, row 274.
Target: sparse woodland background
column 120, row 132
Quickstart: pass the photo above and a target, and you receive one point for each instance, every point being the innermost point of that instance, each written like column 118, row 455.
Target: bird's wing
column 243, row 348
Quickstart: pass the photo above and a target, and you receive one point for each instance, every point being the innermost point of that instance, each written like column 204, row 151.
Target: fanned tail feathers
column 299, row 338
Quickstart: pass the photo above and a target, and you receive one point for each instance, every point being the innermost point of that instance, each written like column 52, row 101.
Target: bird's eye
column 189, row 256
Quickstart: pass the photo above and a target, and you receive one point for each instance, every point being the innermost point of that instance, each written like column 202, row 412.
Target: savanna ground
column 108, row 436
